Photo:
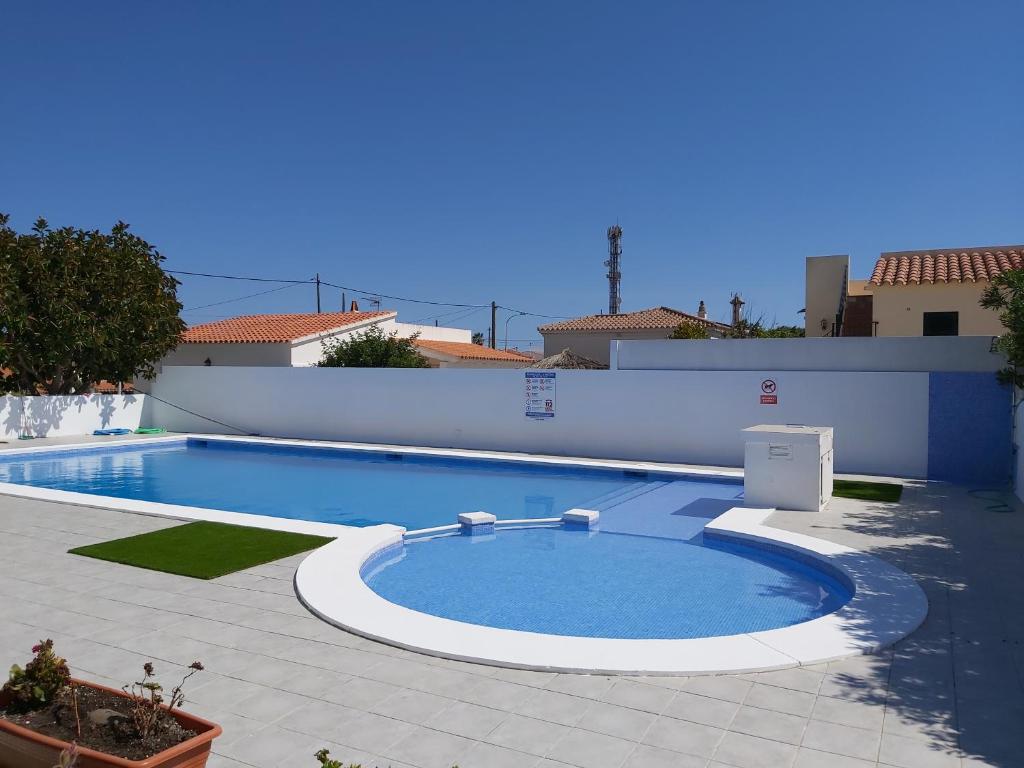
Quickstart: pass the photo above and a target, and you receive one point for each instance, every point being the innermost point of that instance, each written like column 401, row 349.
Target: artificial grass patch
column 865, row 491
column 202, row 550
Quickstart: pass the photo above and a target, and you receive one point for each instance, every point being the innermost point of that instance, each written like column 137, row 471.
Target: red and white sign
column 768, row 389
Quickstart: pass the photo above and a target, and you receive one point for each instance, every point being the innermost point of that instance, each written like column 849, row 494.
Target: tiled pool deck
column 284, row 684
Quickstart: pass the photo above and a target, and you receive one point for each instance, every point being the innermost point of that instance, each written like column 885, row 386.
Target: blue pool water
column 336, row 486
column 563, row 582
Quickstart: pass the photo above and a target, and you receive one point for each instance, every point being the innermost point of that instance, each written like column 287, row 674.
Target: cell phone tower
column 614, row 275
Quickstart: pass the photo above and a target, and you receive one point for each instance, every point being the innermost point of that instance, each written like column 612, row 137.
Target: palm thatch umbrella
column 569, row 360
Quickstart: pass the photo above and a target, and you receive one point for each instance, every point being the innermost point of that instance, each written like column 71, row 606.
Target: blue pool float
column 116, row 431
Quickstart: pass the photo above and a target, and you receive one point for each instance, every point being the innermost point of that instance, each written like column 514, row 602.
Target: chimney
column 737, row 309
column 702, row 311
column 354, row 307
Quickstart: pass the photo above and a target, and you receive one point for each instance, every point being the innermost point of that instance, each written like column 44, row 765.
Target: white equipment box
column 787, row 466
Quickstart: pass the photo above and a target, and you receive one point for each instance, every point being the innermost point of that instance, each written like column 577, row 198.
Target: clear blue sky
column 466, row 152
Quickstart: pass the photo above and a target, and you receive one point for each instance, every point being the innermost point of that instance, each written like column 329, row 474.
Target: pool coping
column 886, row 606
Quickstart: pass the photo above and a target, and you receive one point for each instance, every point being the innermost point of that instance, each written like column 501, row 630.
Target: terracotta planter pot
column 23, row 748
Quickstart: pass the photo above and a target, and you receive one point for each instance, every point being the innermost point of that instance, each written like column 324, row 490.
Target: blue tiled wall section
column 968, row 429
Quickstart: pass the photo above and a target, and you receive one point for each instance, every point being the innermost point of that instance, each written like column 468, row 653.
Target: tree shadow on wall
column 40, row 416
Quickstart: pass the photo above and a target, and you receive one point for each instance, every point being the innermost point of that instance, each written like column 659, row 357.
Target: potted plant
column 48, row 719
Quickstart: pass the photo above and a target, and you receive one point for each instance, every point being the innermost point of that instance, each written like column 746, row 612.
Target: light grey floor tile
column 702, row 709
column 591, row 750
column 842, row 740
column 682, row 736
column 645, row 756
column 555, row 707
column 743, row 751
column 469, row 720
column 527, row 735
column 647, row 698
column 614, row 720
column 769, row 725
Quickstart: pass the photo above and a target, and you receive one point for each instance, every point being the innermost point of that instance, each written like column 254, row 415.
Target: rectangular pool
column 334, row 485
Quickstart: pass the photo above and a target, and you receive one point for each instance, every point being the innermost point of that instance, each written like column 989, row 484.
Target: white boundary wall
column 880, row 419
column 896, row 353
column 64, row 416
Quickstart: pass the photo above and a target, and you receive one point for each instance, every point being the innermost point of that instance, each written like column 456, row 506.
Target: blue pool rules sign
column 540, row 394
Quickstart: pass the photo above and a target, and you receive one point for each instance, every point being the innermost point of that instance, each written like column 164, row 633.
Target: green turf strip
column 202, row 550
column 858, row 489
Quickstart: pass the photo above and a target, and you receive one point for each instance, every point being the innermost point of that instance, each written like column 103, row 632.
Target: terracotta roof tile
column 467, row 351
column 275, row 329
column 655, row 318
column 966, row 265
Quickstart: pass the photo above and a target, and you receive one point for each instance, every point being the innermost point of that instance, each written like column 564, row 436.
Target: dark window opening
column 941, row 323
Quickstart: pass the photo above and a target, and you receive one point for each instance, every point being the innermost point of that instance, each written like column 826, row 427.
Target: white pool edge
column 886, row 606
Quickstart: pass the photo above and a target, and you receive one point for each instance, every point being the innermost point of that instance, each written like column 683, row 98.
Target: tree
column 79, row 306
column 1005, row 294
column 478, row 338
column 756, row 329
column 373, row 349
column 689, row 330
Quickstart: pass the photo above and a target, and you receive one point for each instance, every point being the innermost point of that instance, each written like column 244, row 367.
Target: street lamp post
column 517, row 314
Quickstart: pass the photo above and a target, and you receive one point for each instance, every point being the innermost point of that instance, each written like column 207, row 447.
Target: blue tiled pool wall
column 817, row 563
column 969, row 428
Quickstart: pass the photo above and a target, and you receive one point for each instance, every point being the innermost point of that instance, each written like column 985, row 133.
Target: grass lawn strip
column 865, row 491
column 202, row 550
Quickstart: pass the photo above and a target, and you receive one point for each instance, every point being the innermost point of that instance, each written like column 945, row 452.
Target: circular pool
column 557, row 581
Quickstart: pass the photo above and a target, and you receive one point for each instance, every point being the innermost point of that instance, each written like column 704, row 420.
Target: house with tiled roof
column 460, row 354
column 591, row 336
column 910, row 293
column 293, row 339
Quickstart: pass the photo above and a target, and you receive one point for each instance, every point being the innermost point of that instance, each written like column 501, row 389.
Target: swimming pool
column 335, row 485
column 597, row 584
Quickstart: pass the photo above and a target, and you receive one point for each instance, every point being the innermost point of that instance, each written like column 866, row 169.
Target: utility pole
column 494, row 325
column 318, row 293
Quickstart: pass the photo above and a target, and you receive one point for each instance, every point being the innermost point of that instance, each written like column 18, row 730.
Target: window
column 941, row 323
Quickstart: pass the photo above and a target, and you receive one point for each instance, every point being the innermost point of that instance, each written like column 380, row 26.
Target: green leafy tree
column 478, row 338
column 1005, row 295
column 79, row 306
column 757, row 329
column 373, row 349
column 689, row 330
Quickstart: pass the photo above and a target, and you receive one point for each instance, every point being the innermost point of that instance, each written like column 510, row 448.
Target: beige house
column 936, row 293
column 591, row 336
column 909, row 293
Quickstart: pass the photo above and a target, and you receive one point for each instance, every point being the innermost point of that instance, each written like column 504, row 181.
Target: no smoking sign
column 768, row 392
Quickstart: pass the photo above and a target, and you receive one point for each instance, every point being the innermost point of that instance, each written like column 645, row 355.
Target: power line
column 235, row 277
column 534, row 314
column 402, row 298
column 242, row 298
column 312, row 281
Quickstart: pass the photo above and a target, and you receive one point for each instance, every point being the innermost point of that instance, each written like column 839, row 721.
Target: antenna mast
column 614, row 275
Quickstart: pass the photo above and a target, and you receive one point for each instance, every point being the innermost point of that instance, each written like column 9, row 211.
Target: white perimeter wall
column 901, row 353
column 681, row 416
column 70, row 415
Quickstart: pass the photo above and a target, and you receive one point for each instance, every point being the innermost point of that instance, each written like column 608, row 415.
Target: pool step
column 618, row 496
